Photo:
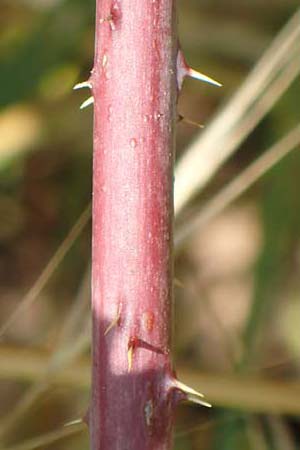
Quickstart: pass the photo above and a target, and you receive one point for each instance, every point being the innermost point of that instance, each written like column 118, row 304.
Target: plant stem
column 134, row 88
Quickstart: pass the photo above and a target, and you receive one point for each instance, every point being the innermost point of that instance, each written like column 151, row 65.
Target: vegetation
column 236, row 232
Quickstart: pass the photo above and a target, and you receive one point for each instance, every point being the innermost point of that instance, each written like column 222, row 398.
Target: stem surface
column 134, row 88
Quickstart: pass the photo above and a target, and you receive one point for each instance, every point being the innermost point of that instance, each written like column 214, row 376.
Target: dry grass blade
column 66, row 352
column 26, row 402
column 60, row 359
column 239, row 185
column 196, row 428
column 47, row 438
column 68, row 347
column 77, row 313
column 56, row 259
column 28, row 365
column 282, row 433
column 267, row 100
column 251, row 393
column 222, row 137
column 255, row 434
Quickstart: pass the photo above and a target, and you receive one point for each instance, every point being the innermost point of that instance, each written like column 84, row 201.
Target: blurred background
column 237, row 255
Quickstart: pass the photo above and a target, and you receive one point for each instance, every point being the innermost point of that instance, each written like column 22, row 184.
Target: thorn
column 87, row 102
column 84, row 84
column 112, row 24
column 130, row 357
column 187, row 390
column 132, row 345
column 198, row 401
column 109, row 19
column 114, row 322
column 190, row 122
column 184, row 70
column 200, row 76
column 73, row 422
column 191, row 395
column 104, row 60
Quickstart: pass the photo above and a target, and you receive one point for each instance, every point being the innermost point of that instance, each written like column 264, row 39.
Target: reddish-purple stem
column 134, row 88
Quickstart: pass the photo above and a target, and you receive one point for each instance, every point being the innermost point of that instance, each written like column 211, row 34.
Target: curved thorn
column 87, row 102
column 114, row 322
column 84, row 84
column 73, row 422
